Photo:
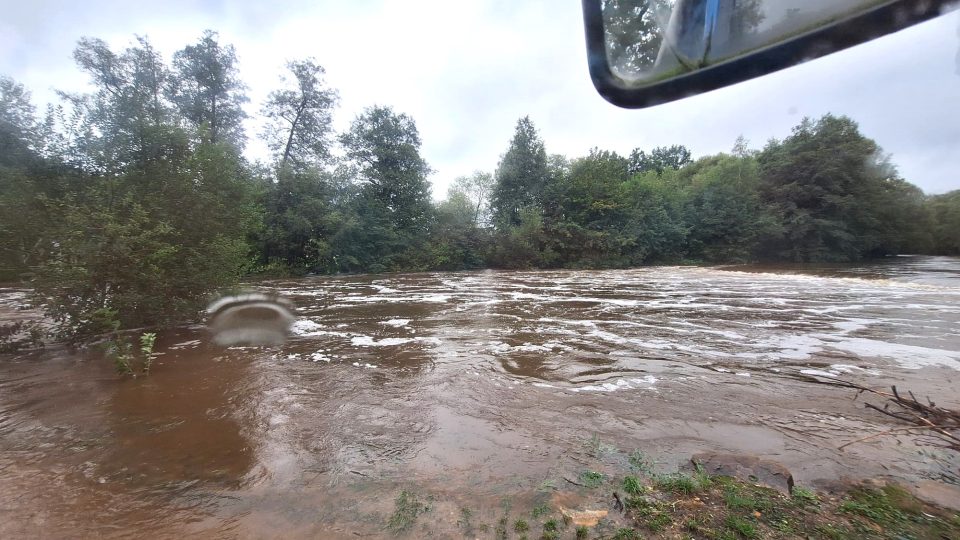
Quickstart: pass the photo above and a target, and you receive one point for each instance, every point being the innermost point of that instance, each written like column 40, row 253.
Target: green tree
column 586, row 220
column 161, row 216
column 654, row 229
column 207, row 91
column 827, row 182
column 477, row 189
column 945, row 212
column 659, row 159
column 394, row 207
column 385, row 147
column 299, row 119
column 300, row 220
column 723, row 209
column 457, row 242
column 521, row 176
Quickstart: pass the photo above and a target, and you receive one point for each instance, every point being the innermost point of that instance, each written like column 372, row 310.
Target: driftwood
column 937, row 426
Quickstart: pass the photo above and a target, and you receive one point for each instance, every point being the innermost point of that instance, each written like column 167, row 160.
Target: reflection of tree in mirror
column 634, row 33
column 644, row 37
column 746, row 17
column 701, row 33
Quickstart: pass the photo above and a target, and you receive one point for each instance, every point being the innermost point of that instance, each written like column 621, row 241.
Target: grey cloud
column 467, row 71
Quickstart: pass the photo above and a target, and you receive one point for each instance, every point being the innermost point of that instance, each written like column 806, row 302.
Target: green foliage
column 658, row 522
column 632, row 485
column 804, row 495
column 407, row 508
column 582, row 533
column 521, row 526
column 540, row 510
column 521, row 176
column 836, row 195
column 683, row 483
column 121, row 351
column 640, row 462
column 136, row 217
column 741, row 526
column 659, row 159
column 207, row 91
column 591, row 479
column 147, row 339
column 299, row 117
column 944, row 213
column 624, row 533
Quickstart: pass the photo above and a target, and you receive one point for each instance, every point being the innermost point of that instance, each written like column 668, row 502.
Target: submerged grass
column 407, row 508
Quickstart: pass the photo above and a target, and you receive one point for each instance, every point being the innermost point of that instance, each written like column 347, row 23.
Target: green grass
column 832, row 532
column 521, row 526
column 678, row 483
column 632, row 485
column 804, row 496
column 551, row 525
column 582, row 533
column 876, row 505
column 641, row 463
column 686, row 484
column 407, row 507
column 598, row 449
column 740, row 526
column 659, row 522
column 500, row 532
column 591, row 479
column 464, row 522
column 540, row 510
column 738, row 499
column 626, row 534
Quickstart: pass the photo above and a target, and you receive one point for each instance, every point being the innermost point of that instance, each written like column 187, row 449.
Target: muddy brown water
column 481, row 390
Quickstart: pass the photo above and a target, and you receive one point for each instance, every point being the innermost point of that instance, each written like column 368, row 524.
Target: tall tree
column 385, row 147
column 588, row 213
column 299, row 128
column 160, row 219
column 476, row 189
column 659, row 159
column 945, row 210
column 18, row 124
column 826, row 181
column 207, row 90
column 129, row 100
column 723, row 210
column 521, row 176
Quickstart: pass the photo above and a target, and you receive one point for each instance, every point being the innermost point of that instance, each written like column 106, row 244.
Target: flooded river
column 474, row 389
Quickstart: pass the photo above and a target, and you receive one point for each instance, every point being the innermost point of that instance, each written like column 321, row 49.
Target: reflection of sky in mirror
column 467, row 70
column 778, row 11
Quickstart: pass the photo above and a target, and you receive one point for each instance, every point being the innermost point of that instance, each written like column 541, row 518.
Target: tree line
column 127, row 205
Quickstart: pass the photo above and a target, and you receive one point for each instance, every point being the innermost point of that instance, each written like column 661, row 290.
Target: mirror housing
column 687, row 75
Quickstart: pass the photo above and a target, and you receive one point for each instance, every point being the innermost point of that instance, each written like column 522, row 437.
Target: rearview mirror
column 646, row 52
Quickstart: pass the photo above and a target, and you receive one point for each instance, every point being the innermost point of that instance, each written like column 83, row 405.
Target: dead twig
column 941, row 424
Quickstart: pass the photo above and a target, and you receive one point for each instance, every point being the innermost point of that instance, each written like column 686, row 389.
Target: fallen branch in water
column 939, row 424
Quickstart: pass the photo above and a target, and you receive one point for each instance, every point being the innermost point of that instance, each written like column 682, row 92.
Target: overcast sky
column 466, row 71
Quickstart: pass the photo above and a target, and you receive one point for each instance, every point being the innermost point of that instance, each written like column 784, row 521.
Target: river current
column 474, row 386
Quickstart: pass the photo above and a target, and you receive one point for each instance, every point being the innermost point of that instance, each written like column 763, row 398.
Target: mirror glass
column 650, row 40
